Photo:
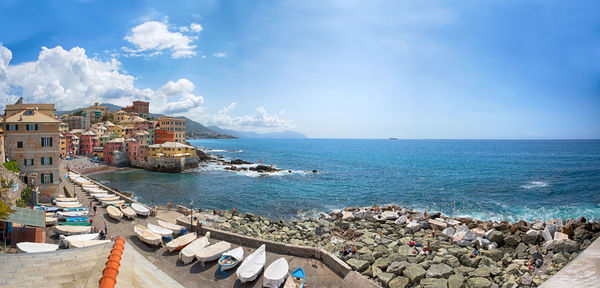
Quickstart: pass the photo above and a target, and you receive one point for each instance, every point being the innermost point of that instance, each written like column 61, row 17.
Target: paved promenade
column 584, row 271
column 194, row 275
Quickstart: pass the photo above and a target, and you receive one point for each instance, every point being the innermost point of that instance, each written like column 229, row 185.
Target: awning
column 26, row 216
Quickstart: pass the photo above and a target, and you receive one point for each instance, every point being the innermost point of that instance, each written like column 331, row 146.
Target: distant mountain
column 246, row 134
column 193, row 129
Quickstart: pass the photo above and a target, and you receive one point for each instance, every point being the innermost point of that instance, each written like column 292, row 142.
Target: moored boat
column 128, row 212
column 33, row 247
column 180, row 242
column 114, row 212
column 212, row 252
column 160, row 230
column 71, row 213
column 113, row 202
column 86, row 243
column 49, row 209
column 296, row 280
column 252, row 265
column 173, row 227
column 72, row 230
column 65, row 199
column 276, row 273
column 64, row 240
column 68, row 209
column 68, row 205
column 147, row 236
column 231, row 258
column 188, row 253
column 140, row 209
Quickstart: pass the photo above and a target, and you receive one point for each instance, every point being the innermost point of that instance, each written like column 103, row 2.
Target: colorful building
column 141, row 108
column 161, row 136
column 111, row 148
column 87, row 142
column 171, row 149
column 175, row 125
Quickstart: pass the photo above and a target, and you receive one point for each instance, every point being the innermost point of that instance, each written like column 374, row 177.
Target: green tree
column 25, row 198
column 12, row 166
column 4, row 208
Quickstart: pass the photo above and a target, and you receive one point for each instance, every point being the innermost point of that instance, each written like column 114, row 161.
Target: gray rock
column 549, row 245
column 581, row 234
column 481, row 271
column 385, row 278
column 448, row 232
column 452, row 222
column 397, row 267
column 521, row 251
column 433, row 283
column 344, row 225
column 546, row 234
column 382, row 263
column 401, row 220
column 531, row 236
column 560, row 236
column 559, row 258
column 538, row 226
column 414, row 272
column 469, row 262
column 512, row 240
column 399, row 282
column 414, row 227
column 357, row 264
column 478, row 282
column 486, row 262
column 496, row 236
column 439, row 271
column 566, row 245
column 456, row 281
column 494, row 254
column 452, row 261
column 441, row 225
column 552, row 228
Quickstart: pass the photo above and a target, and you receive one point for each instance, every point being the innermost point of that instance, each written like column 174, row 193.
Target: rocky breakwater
column 398, row 247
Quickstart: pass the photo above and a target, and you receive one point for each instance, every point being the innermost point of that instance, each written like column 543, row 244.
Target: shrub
column 12, row 166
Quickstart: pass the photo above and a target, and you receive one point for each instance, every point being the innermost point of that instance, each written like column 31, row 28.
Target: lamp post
column 191, row 215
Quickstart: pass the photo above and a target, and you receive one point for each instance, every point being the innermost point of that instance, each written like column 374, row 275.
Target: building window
column 31, row 127
column 28, row 162
column 20, row 144
column 46, row 141
column 47, row 178
column 46, row 160
column 12, row 127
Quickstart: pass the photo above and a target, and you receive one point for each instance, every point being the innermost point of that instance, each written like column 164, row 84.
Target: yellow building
column 63, row 127
column 121, row 115
column 63, row 145
column 171, row 149
column 117, row 130
column 177, row 125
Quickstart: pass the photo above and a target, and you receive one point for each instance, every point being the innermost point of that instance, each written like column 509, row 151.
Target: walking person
column 94, row 209
column 105, row 228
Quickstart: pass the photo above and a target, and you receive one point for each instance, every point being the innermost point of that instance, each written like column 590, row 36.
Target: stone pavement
column 584, row 271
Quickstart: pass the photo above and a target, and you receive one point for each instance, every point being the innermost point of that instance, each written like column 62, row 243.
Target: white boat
column 140, row 209
column 51, row 220
column 173, row 227
column 103, row 195
column 147, row 236
column 160, row 230
column 114, row 212
column 276, row 273
column 128, row 212
column 68, row 205
column 67, row 202
column 65, row 199
column 72, row 213
column 72, row 230
column 231, row 258
column 252, row 265
column 32, row 247
column 65, row 240
column 188, row 254
column 107, row 198
column 180, row 242
column 212, row 252
column 86, row 243
column 113, row 202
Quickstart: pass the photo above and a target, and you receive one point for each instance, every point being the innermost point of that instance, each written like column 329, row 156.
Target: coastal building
column 98, row 152
column 120, row 116
column 75, row 144
column 33, row 140
column 171, row 149
column 68, row 143
column 63, row 127
column 87, row 142
column 113, row 152
column 96, row 109
column 161, row 136
column 169, row 157
column 136, row 123
column 132, row 147
column 140, row 108
column 63, row 145
column 175, row 125
column 76, row 122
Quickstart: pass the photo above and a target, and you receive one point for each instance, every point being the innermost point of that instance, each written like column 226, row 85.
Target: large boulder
column 358, row 265
column 495, row 236
column 439, row 271
column 456, row 281
column 434, row 283
column 531, row 236
column 481, row 271
column 385, row 278
column 414, row 272
column 560, row 236
column 399, row 282
column 565, row 245
column 448, row 232
column 581, row 234
column 401, row 220
column 546, row 234
column 512, row 240
column 414, row 227
column 494, row 254
column 479, row 282
column 347, row 216
column 441, row 225
column 521, row 251
column 382, row 263
column 464, row 236
column 397, row 267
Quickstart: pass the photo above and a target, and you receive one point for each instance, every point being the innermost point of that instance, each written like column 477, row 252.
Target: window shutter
column 25, row 162
column 50, row 138
column 42, row 160
column 32, row 161
column 17, row 127
column 36, row 126
column 50, row 160
column 42, row 141
column 42, row 178
column 51, row 177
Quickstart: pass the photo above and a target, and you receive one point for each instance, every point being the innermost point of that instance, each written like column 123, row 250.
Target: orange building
column 161, row 136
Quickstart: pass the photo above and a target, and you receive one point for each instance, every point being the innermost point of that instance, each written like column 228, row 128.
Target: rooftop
column 31, row 116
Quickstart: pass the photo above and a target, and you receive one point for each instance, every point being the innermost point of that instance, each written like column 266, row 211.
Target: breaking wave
column 535, row 184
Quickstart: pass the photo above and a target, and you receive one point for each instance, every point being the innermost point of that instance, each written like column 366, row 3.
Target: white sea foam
column 212, row 166
column 535, row 184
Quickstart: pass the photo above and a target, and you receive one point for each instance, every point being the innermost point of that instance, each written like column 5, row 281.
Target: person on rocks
column 426, row 249
column 169, row 205
column 353, row 250
column 474, row 254
column 95, row 210
column 234, row 212
column 376, row 208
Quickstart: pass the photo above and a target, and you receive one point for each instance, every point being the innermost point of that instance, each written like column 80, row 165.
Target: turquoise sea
column 486, row 179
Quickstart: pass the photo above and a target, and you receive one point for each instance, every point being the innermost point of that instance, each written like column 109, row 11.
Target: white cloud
column 153, row 38
column 196, row 27
column 261, row 120
column 220, row 55
column 70, row 79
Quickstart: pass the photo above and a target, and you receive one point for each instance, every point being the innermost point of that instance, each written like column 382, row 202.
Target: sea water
column 485, row 179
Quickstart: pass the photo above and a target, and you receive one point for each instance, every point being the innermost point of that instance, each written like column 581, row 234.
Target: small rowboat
column 114, row 212
column 251, row 267
column 51, row 220
column 68, row 205
column 160, row 230
column 173, row 227
column 72, row 230
column 108, row 198
column 180, row 242
column 86, row 243
column 65, row 199
column 74, row 219
column 140, row 209
column 32, row 247
column 231, row 258
column 113, row 202
column 276, row 273
column 103, row 195
column 64, row 241
column 147, row 236
column 188, row 253
column 128, row 212
column 71, row 213
column 296, row 280
column 68, row 209
column 46, row 208
column 212, row 252
column 74, row 223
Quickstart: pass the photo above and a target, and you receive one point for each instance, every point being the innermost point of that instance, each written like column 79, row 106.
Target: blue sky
column 351, row 69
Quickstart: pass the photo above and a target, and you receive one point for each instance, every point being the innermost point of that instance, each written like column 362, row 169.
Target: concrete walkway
column 584, row 271
column 194, row 275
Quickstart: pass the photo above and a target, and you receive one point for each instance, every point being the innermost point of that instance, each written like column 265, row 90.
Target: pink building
column 134, row 152
column 87, row 142
column 117, row 144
